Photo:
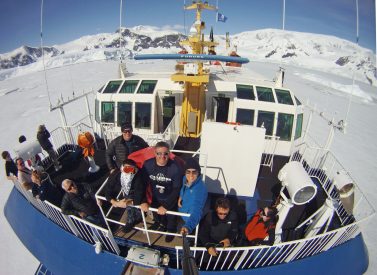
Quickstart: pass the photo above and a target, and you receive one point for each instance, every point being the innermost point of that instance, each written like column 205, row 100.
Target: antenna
column 43, row 57
column 353, row 72
column 120, row 30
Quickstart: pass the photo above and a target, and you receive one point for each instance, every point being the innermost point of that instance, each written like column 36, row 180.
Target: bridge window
column 124, row 112
column 245, row 116
column 284, row 97
column 245, row 92
column 266, row 120
column 96, row 111
column 298, row 131
column 129, row 87
column 284, row 126
column 107, row 112
column 143, row 115
column 112, row 87
column 265, row 94
column 147, row 87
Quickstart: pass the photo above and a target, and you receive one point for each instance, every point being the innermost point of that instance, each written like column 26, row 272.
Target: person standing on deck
column 165, row 177
column 122, row 146
column 10, row 166
column 43, row 136
column 192, row 197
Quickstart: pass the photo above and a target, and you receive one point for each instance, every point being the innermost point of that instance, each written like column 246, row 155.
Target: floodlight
column 300, row 187
column 346, row 189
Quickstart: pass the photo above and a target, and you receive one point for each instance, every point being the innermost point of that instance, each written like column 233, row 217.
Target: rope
column 184, row 17
column 120, row 30
column 43, row 56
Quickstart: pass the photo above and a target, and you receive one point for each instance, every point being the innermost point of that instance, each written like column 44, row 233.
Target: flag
column 221, row 17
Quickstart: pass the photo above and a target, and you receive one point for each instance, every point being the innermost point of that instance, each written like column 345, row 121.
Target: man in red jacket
column 262, row 224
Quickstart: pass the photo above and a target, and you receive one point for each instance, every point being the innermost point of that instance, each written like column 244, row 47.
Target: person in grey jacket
column 43, row 136
column 122, row 146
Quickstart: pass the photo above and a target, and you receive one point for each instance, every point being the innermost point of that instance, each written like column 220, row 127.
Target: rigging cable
column 120, row 31
column 43, row 56
column 353, row 72
column 184, row 16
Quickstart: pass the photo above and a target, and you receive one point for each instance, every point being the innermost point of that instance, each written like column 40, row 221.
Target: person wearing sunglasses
column 261, row 226
column 43, row 188
column 192, row 197
column 165, row 178
column 79, row 200
column 219, row 227
column 122, row 146
column 124, row 188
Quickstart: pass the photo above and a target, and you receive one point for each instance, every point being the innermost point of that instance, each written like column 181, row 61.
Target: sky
column 67, row 20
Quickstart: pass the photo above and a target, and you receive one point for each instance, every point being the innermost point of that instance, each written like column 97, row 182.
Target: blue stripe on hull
column 63, row 253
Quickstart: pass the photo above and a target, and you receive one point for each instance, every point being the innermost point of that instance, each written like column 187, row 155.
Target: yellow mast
column 194, row 76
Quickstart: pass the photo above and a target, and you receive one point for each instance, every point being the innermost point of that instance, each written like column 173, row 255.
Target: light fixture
column 300, row 187
column 346, row 190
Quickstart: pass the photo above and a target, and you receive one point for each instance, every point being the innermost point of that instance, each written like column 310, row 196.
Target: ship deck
column 75, row 167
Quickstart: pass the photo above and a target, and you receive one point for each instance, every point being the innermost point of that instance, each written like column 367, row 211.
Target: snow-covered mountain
column 321, row 52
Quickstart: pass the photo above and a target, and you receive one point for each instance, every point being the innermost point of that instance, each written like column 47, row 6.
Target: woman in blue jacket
column 192, row 197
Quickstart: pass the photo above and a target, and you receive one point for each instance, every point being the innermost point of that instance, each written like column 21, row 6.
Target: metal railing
column 269, row 151
column 81, row 228
column 238, row 258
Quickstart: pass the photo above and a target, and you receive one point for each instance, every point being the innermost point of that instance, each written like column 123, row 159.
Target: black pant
column 168, row 221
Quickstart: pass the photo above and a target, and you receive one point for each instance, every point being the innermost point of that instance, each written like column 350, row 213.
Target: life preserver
column 85, row 141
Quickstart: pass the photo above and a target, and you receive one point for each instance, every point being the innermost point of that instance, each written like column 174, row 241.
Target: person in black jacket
column 122, row 146
column 165, row 177
column 219, row 228
column 125, row 188
column 43, row 136
column 10, row 166
column 43, row 189
column 79, row 201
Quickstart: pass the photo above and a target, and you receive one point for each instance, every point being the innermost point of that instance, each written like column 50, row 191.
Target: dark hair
column 22, row 139
column 126, row 126
column 223, row 203
column 129, row 162
column 4, row 154
column 162, row 144
column 192, row 163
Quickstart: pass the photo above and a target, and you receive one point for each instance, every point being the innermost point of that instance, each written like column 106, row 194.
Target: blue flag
column 221, row 17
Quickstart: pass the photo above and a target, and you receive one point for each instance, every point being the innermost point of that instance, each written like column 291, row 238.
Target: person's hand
column 179, row 202
column 212, row 251
column 144, row 207
column 161, row 210
column 122, row 203
column 82, row 214
column 184, row 231
column 225, row 242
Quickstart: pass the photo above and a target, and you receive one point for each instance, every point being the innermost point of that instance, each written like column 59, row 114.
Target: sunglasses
column 129, row 169
column 193, row 172
column 127, row 131
column 222, row 214
column 165, row 154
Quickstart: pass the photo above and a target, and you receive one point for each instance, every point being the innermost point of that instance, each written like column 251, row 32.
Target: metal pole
column 67, row 131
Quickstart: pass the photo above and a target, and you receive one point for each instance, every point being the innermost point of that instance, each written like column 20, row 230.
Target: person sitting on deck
column 43, row 189
column 11, row 170
column 165, row 176
column 261, row 225
column 130, row 184
column 43, row 136
column 219, row 227
column 192, row 197
column 79, row 201
column 122, row 146
column 24, row 174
